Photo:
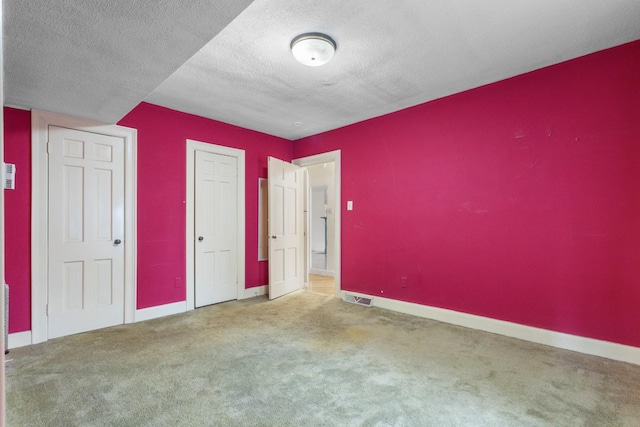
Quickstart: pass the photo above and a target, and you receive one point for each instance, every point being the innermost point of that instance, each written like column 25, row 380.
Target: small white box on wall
column 9, row 176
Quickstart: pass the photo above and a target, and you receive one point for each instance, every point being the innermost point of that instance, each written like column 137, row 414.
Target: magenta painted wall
column 517, row 201
column 162, row 135
column 17, row 218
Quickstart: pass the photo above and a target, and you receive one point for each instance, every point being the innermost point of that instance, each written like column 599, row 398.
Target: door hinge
column 47, row 309
column 47, row 148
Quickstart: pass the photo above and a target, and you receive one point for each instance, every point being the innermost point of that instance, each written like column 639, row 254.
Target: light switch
column 350, row 205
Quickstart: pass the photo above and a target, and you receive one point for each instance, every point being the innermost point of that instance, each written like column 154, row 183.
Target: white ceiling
column 99, row 59
column 228, row 63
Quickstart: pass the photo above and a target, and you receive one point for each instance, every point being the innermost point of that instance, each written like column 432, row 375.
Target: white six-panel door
column 86, row 231
column 215, row 240
column 286, row 228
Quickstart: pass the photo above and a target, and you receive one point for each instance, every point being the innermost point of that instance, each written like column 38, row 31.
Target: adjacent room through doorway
column 320, row 224
column 323, row 222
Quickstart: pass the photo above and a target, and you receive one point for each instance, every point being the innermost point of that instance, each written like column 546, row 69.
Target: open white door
column 286, row 228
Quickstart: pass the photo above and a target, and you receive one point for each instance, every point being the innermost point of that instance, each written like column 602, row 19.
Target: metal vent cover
column 367, row 302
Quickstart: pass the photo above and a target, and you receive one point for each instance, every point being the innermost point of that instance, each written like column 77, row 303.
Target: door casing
column 40, row 122
column 192, row 146
column 331, row 156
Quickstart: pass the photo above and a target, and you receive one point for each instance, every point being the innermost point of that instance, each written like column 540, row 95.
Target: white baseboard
column 19, row 339
column 254, row 292
column 160, row 311
column 609, row 350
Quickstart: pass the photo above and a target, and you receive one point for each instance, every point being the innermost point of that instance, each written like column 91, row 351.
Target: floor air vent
column 367, row 302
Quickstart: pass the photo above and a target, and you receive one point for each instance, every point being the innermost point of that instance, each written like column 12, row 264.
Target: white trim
column 609, row 350
column 19, row 339
column 263, row 234
column 3, row 401
column 331, row 156
column 256, row 291
column 40, row 122
column 160, row 311
column 192, row 146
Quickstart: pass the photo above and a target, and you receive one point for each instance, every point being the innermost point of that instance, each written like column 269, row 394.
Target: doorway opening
column 318, row 227
column 323, row 222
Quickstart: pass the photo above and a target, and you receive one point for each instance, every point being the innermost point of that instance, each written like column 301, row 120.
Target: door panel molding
column 192, row 147
column 286, row 227
column 40, row 122
column 86, row 216
column 216, row 216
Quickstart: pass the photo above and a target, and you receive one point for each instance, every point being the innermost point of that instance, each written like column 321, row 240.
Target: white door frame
column 331, row 156
column 192, row 146
column 40, row 122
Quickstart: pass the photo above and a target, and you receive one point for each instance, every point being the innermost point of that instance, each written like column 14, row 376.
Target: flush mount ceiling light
column 313, row 49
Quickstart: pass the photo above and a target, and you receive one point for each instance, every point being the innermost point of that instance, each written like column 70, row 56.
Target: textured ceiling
column 99, row 59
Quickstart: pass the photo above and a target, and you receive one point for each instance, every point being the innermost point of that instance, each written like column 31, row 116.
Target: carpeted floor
column 311, row 360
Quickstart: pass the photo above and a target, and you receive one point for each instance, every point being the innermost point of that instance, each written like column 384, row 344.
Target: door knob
column 117, row 242
column 274, row 237
column 200, row 238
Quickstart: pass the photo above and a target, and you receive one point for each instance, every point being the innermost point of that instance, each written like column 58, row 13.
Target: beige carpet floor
column 311, row 360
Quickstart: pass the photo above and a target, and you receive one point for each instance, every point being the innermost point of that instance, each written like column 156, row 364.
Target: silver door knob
column 200, row 238
column 117, row 242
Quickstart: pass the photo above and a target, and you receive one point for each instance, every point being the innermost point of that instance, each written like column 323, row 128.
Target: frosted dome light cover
column 313, row 49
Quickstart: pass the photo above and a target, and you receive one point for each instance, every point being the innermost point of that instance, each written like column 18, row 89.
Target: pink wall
column 162, row 135
column 17, row 218
column 517, row 201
